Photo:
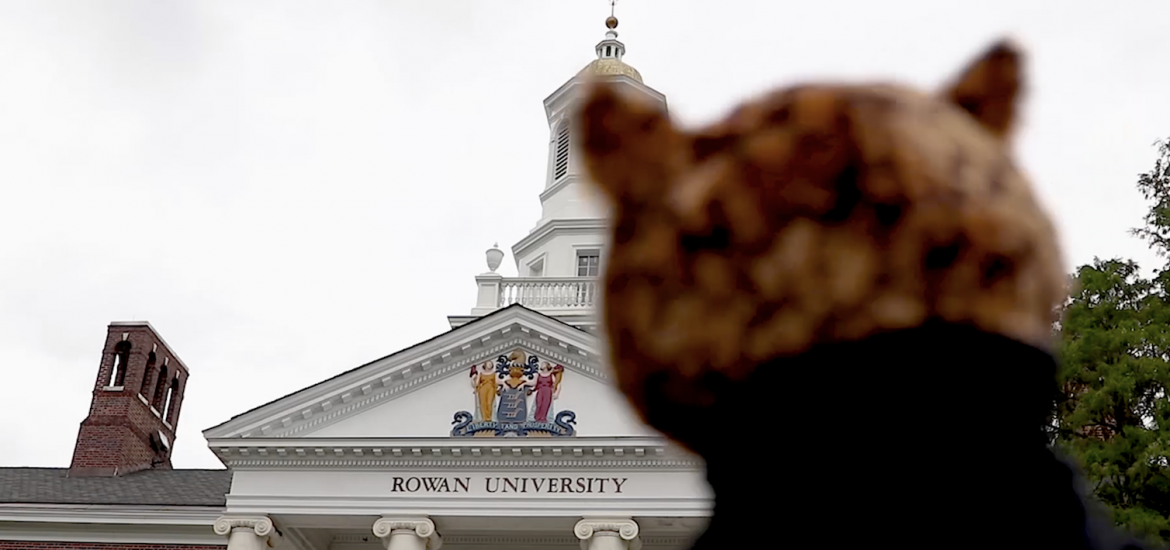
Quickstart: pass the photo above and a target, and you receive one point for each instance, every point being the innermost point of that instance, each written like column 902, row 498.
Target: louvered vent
column 561, row 166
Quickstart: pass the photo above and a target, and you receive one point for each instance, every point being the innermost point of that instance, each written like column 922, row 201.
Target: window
column 588, row 263
column 121, row 360
column 160, row 388
column 168, row 412
column 144, row 389
column 561, row 161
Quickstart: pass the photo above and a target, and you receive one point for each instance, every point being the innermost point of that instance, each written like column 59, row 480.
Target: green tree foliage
column 1113, row 414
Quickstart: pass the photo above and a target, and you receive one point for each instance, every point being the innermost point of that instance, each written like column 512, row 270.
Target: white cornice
column 522, row 507
column 112, row 514
column 417, row 367
column 121, row 534
column 547, row 229
column 356, row 541
column 586, row 321
column 456, row 453
column 562, row 183
column 554, row 101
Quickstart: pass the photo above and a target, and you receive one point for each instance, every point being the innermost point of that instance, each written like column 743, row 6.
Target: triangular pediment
column 514, row 372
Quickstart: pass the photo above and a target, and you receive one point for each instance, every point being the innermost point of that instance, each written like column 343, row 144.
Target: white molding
column 546, row 230
column 456, row 453
column 123, row 534
column 565, row 180
column 586, row 320
column 509, row 540
column 156, row 334
column 625, row 528
column 415, row 367
column 676, row 507
column 570, row 91
column 112, row 514
column 338, row 410
column 299, row 541
column 543, row 264
column 422, row 527
column 113, row 388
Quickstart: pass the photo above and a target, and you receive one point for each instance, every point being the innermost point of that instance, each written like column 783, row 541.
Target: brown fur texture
column 814, row 214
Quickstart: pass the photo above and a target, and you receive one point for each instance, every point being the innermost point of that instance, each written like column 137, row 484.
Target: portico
column 419, row 532
column 400, row 452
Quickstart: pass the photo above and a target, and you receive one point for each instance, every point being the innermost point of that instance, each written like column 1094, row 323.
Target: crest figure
column 514, row 396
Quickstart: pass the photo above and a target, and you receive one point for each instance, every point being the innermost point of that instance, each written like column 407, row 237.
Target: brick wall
column 21, row 545
column 116, row 436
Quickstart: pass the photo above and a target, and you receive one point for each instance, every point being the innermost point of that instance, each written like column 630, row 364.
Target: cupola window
column 121, row 360
column 561, row 161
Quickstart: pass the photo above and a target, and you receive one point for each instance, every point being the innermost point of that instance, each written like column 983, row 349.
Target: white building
column 504, row 432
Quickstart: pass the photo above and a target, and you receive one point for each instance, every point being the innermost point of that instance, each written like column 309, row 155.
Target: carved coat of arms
column 514, row 397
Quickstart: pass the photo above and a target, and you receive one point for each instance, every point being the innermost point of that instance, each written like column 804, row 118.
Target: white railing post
column 490, row 294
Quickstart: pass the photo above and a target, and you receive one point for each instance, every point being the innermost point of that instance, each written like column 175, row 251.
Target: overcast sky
column 289, row 189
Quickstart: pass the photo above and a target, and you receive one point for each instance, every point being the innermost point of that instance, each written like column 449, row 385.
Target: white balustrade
column 549, row 292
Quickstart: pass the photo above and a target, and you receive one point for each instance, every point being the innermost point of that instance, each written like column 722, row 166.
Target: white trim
column 578, row 249
column 113, row 388
column 156, row 335
column 557, row 185
column 487, row 506
column 329, row 411
column 110, row 514
column 543, row 265
column 546, row 540
column 298, row 539
column 416, row 367
column 143, row 399
column 574, row 226
column 581, row 319
column 570, row 91
column 456, row 453
column 122, row 534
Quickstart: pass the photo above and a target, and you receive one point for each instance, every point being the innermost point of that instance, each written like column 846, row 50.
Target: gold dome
column 611, row 67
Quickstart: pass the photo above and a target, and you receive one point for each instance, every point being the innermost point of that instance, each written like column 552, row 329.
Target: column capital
column 624, row 528
column 421, row 527
column 261, row 526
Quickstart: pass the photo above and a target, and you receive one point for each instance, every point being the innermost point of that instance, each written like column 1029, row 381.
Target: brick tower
column 136, row 403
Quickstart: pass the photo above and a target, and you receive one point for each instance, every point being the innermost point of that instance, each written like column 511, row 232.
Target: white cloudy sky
column 288, row 189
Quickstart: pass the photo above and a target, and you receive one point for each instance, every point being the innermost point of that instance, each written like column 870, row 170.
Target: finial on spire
column 611, row 22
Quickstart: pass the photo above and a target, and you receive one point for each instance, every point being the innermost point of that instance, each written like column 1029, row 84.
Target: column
column 417, row 533
column 247, row 533
column 608, row 534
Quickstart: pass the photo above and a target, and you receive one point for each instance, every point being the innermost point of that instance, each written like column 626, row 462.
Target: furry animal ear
column 626, row 143
column 989, row 88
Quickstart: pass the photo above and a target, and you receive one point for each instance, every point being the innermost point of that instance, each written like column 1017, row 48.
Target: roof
column 481, row 319
column 611, row 67
column 148, row 487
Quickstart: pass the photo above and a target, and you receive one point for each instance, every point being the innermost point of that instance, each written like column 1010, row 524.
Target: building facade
column 504, row 432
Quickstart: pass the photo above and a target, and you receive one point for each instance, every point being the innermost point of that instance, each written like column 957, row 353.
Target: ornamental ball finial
column 611, row 22
column 494, row 257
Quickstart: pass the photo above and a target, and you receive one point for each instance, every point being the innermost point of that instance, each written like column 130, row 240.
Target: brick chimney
column 136, row 403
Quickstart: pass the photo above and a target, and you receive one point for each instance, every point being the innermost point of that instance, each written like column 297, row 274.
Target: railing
column 549, row 292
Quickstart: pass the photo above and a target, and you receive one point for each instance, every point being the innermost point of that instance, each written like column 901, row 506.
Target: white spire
column 611, row 48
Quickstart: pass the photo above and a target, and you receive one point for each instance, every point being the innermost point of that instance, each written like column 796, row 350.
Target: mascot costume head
column 841, row 297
